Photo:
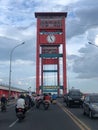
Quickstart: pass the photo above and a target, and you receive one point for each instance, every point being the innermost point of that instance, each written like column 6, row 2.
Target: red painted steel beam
column 59, row 14
column 50, row 61
column 37, row 60
column 64, row 61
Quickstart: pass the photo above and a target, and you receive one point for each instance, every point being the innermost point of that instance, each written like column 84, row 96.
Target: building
column 4, row 89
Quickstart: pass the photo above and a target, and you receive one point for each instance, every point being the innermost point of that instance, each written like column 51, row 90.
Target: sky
column 18, row 24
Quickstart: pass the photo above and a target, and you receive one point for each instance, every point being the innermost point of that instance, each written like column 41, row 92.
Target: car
column 74, row 97
column 90, row 105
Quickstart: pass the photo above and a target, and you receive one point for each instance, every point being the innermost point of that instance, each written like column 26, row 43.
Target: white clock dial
column 51, row 38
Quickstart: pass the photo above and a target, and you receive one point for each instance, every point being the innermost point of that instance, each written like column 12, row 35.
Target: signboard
column 50, row 88
column 49, row 50
column 51, row 23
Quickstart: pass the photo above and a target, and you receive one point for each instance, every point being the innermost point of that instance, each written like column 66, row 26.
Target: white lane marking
column 16, row 121
column 28, row 110
column 13, row 123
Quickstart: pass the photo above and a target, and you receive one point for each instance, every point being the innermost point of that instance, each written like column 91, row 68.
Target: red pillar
column 37, row 60
column 64, row 61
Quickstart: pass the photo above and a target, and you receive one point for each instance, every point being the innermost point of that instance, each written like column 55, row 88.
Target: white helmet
column 3, row 95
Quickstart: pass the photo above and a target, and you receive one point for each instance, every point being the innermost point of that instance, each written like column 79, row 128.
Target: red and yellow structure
column 51, row 47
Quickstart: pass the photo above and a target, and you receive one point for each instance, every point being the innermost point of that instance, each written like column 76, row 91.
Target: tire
column 84, row 113
column 90, row 114
column 46, row 106
column 3, row 108
column 20, row 116
column 69, row 104
column 37, row 106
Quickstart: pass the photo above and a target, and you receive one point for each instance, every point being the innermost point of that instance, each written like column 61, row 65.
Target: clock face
column 51, row 38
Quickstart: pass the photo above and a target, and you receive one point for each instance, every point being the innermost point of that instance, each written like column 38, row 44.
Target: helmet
column 3, row 95
column 21, row 96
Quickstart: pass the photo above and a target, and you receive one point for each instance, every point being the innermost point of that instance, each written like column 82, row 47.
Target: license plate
column 76, row 101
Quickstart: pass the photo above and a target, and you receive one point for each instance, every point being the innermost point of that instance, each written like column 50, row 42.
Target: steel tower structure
column 51, row 47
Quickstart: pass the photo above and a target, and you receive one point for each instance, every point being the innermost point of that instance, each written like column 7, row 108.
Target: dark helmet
column 45, row 94
column 21, row 96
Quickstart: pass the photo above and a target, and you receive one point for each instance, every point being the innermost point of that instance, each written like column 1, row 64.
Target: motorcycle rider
column 46, row 101
column 3, row 101
column 47, row 98
column 21, row 103
column 28, row 101
column 39, row 100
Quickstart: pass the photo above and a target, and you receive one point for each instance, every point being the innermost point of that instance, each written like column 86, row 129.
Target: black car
column 74, row 97
column 90, row 105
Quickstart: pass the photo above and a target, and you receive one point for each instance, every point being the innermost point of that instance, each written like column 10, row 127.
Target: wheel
column 84, row 113
column 69, row 104
column 37, row 106
column 90, row 114
column 3, row 108
column 46, row 106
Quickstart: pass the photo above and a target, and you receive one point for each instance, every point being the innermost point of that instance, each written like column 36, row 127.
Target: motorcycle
column 3, row 107
column 38, row 103
column 20, row 113
column 46, row 104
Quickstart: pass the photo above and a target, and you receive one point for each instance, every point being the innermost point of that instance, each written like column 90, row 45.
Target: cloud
column 85, row 65
column 82, row 17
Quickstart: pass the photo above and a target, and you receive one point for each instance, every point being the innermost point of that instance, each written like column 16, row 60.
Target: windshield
column 94, row 99
column 76, row 93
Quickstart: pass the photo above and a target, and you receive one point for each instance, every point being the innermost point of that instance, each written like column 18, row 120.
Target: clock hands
column 51, row 38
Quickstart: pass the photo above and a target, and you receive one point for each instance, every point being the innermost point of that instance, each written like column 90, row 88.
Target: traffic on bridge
column 57, row 116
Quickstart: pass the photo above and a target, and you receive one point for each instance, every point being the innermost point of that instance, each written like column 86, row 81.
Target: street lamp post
column 92, row 44
column 10, row 70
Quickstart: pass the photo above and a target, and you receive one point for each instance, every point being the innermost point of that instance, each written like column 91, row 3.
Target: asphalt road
column 57, row 117
column 77, row 111
column 38, row 119
column 91, row 123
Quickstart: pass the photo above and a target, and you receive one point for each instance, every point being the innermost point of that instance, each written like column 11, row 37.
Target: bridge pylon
column 51, row 52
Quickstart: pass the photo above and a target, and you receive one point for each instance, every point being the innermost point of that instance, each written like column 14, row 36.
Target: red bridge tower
column 51, row 52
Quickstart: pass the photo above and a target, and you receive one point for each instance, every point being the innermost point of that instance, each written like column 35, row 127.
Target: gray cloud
column 86, row 64
column 25, row 52
column 81, row 17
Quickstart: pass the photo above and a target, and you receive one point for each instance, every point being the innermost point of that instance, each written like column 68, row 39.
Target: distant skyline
column 18, row 24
